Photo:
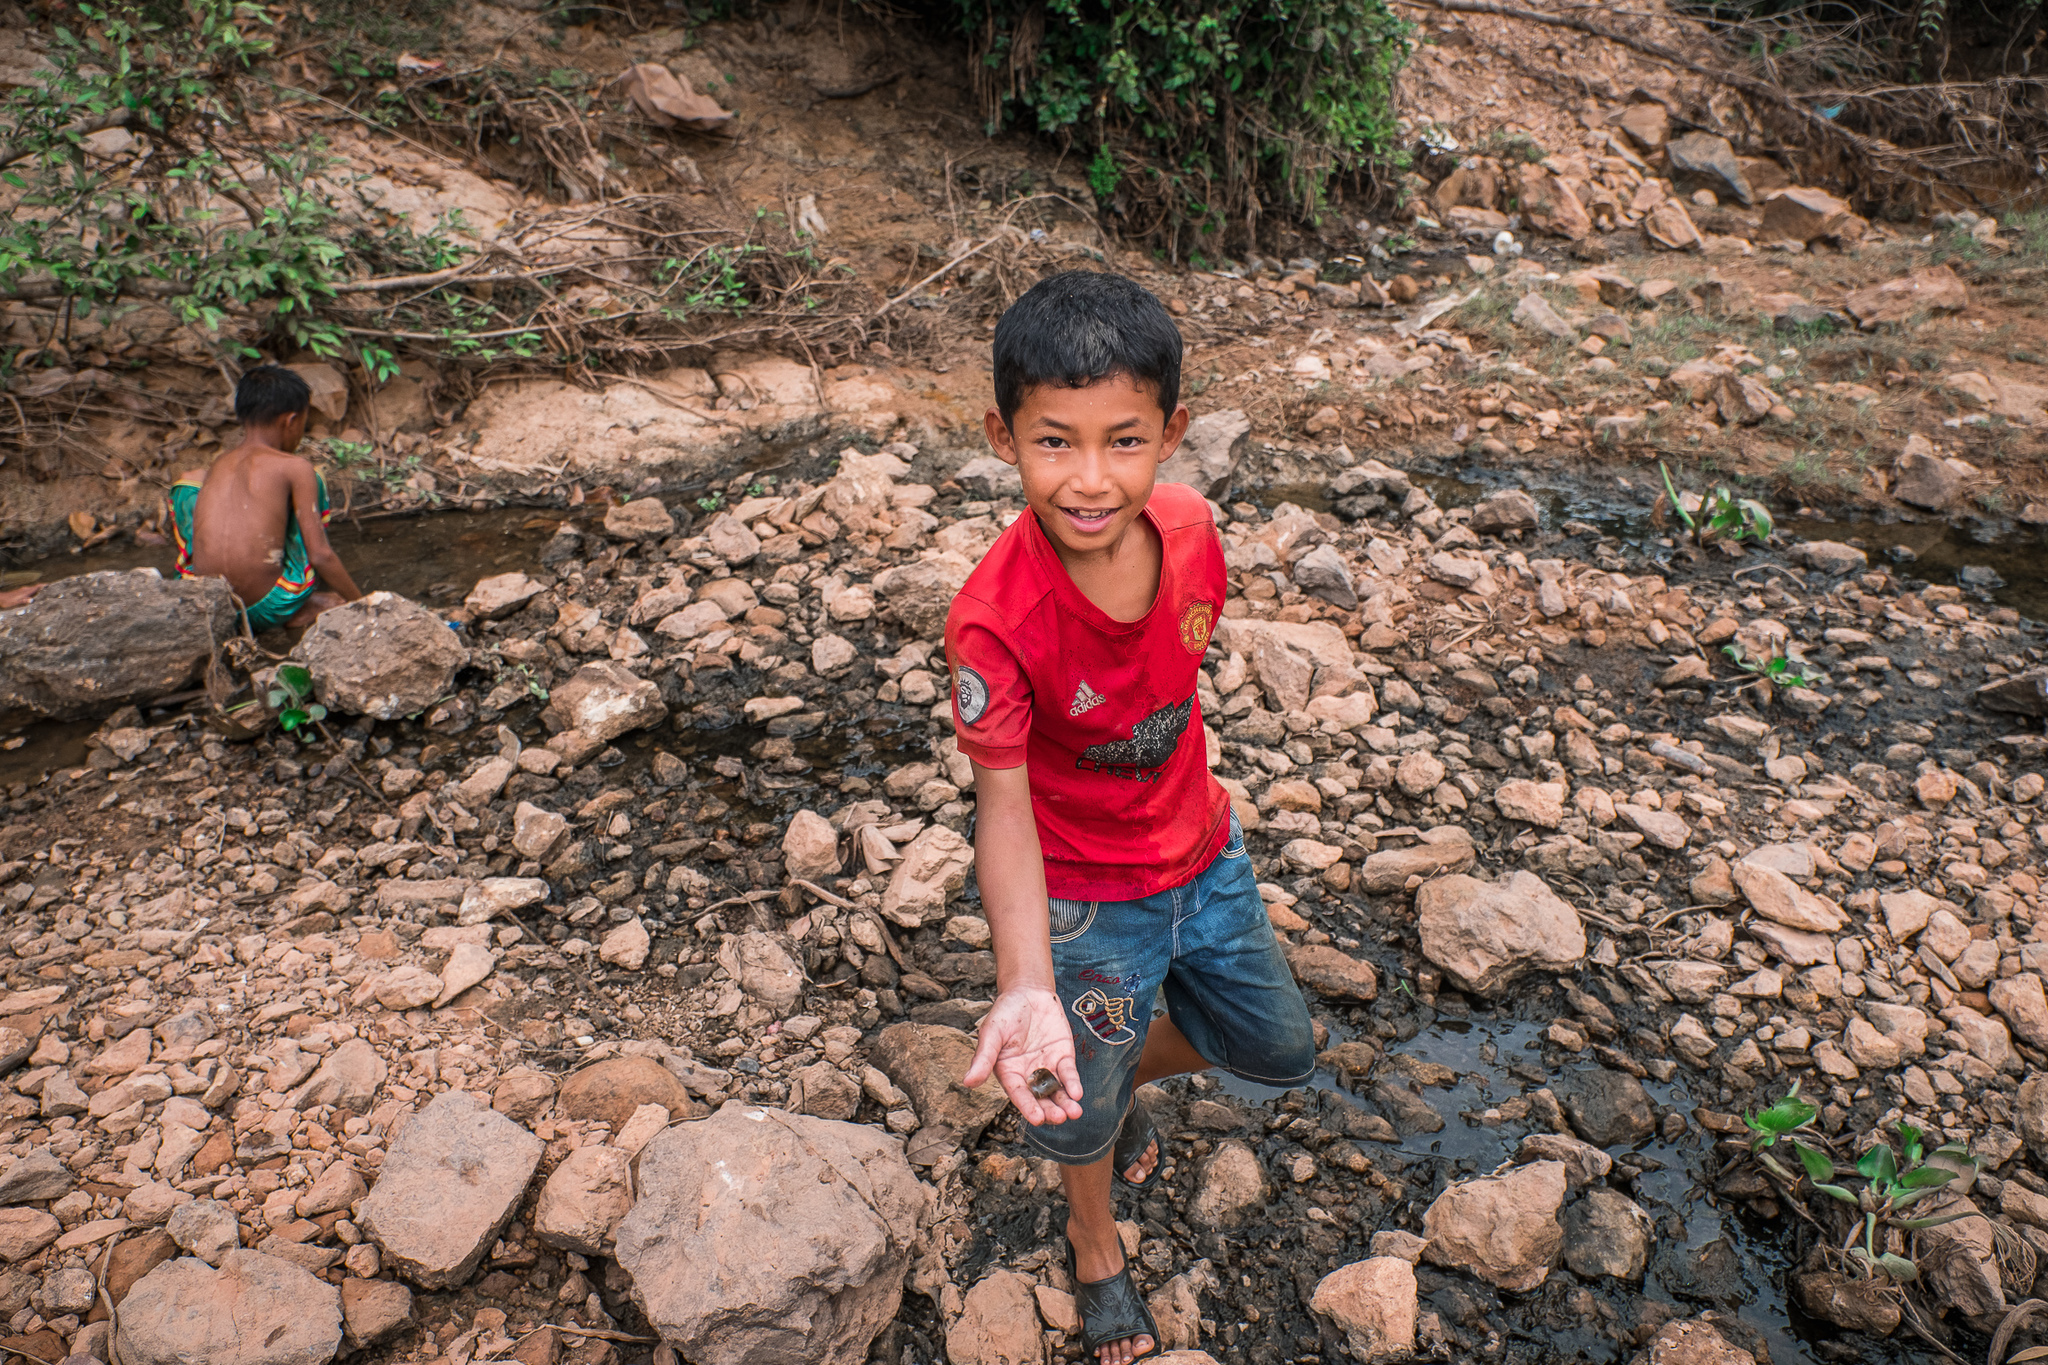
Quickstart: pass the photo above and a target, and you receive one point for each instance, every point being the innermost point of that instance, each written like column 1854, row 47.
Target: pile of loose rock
column 616, row 983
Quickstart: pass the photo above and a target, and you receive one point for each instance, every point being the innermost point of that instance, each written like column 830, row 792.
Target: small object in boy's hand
column 1044, row 1084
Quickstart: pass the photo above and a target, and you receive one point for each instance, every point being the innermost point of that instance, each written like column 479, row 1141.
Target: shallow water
column 435, row 558
column 1480, row 1050
column 1937, row 550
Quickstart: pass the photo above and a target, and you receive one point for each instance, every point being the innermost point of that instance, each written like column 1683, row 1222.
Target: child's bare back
column 257, row 518
column 245, row 503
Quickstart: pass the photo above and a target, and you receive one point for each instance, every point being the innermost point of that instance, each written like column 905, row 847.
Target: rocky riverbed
column 492, row 1023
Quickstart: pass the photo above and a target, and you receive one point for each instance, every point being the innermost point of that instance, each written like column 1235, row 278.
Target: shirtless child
column 258, row 518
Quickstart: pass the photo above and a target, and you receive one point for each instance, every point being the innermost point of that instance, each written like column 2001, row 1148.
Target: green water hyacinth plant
column 1892, row 1183
column 1722, row 515
column 1779, row 670
column 292, row 699
column 1779, row 1122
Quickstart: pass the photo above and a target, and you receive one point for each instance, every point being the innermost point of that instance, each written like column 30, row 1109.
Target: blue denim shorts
column 1209, row 946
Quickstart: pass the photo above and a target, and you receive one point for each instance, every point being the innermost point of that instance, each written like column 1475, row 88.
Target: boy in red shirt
column 1109, row 861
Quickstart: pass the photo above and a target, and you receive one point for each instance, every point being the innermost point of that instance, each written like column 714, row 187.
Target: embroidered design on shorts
column 1139, row 758
column 970, row 694
column 1086, row 699
column 1195, row 624
column 1107, row 1017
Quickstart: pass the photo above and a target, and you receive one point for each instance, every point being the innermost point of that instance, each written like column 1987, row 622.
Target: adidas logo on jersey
column 1086, row 698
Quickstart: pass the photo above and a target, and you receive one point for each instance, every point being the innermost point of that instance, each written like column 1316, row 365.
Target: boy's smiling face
column 1088, row 457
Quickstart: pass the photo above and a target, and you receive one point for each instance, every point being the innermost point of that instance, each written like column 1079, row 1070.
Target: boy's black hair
column 1079, row 328
column 269, row 392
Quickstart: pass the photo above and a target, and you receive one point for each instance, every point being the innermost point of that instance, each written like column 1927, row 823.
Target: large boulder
column 934, row 866
column 1607, row 1233
column 610, row 1091
column 382, row 655
column 1503, row 1229
column 1372, row 1302
column 584, row 1199
column 448, row 1187
column 926, row 1062
column 1924, row 479
column 998, row 1323
column 1208, row 454
column 917, row 595
column 1486, row 934
column 1929, row 289
column 100, row 641
column 1704, row 161
column 604, row 700
column 1804, row 215
column 764, row 1236
column 254, row 1310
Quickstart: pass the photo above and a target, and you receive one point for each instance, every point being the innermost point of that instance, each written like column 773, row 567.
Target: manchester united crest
column 1195, row 624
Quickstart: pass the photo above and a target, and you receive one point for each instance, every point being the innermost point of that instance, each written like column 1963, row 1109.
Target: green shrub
column 189, row 224
column 1198, row 118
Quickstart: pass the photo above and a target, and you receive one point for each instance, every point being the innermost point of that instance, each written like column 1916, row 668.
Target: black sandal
column 1136, row 1134
column 1111, row 1310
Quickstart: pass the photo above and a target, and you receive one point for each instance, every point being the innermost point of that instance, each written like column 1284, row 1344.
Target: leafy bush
column 249, row 238
column 190, row 228
column 1200, row 117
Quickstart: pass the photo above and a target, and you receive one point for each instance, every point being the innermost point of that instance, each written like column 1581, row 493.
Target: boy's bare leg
column 1098, row 1251
column 1091, row 1224
column 1167, row 1053
column 315, row 604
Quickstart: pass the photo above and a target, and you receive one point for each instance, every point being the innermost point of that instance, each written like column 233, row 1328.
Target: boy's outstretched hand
column 1025, row 1030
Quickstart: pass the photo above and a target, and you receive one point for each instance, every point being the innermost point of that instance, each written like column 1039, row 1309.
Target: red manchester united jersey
column 1103, row 711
